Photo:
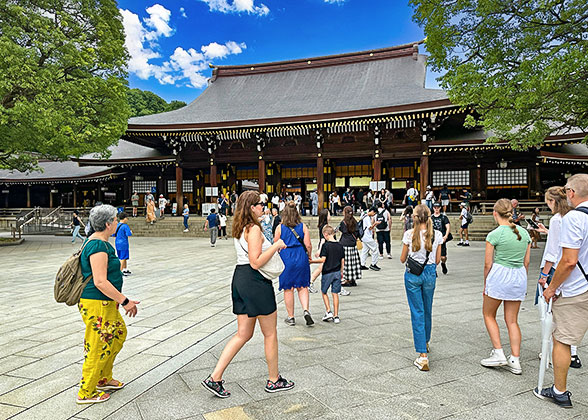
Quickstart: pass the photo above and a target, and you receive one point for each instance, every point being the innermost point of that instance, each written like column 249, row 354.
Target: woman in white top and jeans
column 422, row 245
column 556, row 200
column 252, row 294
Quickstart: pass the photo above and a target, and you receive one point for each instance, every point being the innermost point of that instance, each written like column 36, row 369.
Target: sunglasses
column 258, row 204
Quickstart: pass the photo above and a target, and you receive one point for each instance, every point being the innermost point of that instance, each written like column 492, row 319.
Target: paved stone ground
column 361, row 367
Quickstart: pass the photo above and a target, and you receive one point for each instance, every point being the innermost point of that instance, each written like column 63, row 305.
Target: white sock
column 467, row 242
column 514, row 358
column 574, row 350
column 499, row 352
column 558, row 392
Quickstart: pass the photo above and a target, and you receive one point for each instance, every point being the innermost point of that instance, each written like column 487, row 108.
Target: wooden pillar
column 28, row 196
column 424, row 171
column 75, row 195
column 100, row 195
column 377, row 168
column 261, row 173
column 213, row 175
column 320, row 182
column 50, row 197
column 179, row 188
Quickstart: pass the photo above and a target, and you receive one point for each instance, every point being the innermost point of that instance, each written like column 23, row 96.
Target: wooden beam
column 261, row 173
column 320, row 182
column 179, row 188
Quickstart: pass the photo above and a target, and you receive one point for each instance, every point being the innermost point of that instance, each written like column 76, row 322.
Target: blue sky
column 171, row 42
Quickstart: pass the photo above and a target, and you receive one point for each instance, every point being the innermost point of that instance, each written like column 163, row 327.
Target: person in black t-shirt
column 441, row 223
column 277, row 220
column 333, row 260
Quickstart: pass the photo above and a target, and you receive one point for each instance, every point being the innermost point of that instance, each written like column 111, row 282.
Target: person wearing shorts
column 442, row 224
column 570, row 286
column 332, row 257
column 463, row 217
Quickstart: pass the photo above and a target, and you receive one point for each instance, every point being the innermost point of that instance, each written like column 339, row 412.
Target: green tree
column 523, row 65
column 144, row 102
column 62, row 79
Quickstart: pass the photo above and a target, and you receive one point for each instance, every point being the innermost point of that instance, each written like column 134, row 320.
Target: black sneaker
column 466, row 244
column 308, row 318
column 280, row 385
column 374, row 267
column 363, row 267
column 576, row 363
column 444, row 268
column 460, row 244
column 216, row 388
column 563, row 400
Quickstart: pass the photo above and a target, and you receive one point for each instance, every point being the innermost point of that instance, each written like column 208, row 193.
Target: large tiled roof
column 323, row 86
column 55, row 172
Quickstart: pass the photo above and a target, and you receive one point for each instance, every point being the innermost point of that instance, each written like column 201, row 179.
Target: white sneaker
column 422, row 363
column 186, row 230
column 345, row 292
column 336, row 320
column 494, row 360
column 328, row 316
column 514, row 365
column 311, row 289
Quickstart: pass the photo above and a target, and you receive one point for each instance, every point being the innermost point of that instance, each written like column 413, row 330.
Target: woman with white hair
column 105, row 328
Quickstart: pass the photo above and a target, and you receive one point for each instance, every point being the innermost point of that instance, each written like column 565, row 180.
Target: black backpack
column 360, row 228
column 382, row 221
column 585, row 211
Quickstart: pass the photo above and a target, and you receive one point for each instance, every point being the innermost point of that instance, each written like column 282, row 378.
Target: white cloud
column 237, row 6
column 159, row 20
column 215, row 50
column 184, row 67
column 335, row 1
column 183, row 12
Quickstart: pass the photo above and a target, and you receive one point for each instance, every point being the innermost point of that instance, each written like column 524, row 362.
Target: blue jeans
column 76, row 234
column 430, row 204
column 419, row 292
column 186, row 221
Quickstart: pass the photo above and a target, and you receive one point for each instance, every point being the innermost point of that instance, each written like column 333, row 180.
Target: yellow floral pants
column 105, row 334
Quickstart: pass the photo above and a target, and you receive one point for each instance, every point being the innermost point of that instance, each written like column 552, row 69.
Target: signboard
column 208, row 191
column 153, row 190
column 215, row 191
column 377, row 185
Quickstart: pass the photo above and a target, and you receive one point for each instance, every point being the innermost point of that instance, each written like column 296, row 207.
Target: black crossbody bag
column 299, row 240
column 415, row 267
column 585, row 211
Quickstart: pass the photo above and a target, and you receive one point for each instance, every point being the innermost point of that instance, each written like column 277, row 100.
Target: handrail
column 58, row 209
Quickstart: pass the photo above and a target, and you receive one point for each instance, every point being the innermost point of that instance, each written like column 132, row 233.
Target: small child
column 332, row 255
column 186, row 214
column 223, row 226
column 123, row 231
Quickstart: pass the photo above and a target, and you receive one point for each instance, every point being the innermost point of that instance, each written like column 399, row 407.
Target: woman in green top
column 105, row 329
column 505, row 280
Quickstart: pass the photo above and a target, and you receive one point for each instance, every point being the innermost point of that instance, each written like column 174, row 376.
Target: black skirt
column 252, row 294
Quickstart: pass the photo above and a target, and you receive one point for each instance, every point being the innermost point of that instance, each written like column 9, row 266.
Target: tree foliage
column 62, row 79
column 523, row 65
column 143, row 102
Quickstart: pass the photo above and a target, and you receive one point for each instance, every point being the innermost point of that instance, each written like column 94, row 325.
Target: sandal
column 110, row 387
column 97, row 398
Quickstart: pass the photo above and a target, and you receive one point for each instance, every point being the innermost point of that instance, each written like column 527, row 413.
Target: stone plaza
column 361, row 367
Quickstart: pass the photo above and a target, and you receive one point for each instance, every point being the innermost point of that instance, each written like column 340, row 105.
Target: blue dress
column 297, row 268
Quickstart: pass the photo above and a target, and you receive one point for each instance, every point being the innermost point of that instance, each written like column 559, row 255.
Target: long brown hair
column 244, row 217
column 349, row 220
column 422, row 214
column 558, row 195
column 290, row 215
column 504, row 209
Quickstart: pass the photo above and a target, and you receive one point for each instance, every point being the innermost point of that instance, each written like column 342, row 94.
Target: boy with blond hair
column 331, row 256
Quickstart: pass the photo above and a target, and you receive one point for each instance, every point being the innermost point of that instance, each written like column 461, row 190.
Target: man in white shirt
column 275, row 200
column 412, row 197
column 263, row 198
column 569, row 287
column 369, row 243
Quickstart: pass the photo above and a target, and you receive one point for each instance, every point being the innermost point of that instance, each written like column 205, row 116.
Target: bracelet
column 125, row 302
column 544, row 275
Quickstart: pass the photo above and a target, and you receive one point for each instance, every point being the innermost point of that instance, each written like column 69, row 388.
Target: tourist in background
column 429, row 197
column 444, row 197
column 223, row 204
column 276, row 220
column 222, row 226
column 349, row 237
column 517, row 216
column 370, row 246
column 212, row 223
column 442, row 224
column 533, row 231
column 106, row 331
column 422, row 245
column 464, row 225
column 296, row 274
column 384, row 223
column 186, row 215
column 162, row 203
column 253, row 296
column 122, row 233
column 389, row 199
column 314, row 202
column 506, row 264
column 76, row 221
column 381, row 198
column 135, row 202
column 412, row 196
column 406, row 218
column 233, row 199
column 150, row 212
column 556, row 200
column 266, row 222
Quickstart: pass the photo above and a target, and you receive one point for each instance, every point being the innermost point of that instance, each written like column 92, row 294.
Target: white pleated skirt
column 505, row 283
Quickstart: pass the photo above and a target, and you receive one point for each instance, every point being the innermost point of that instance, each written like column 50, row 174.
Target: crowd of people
column 274, row 244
